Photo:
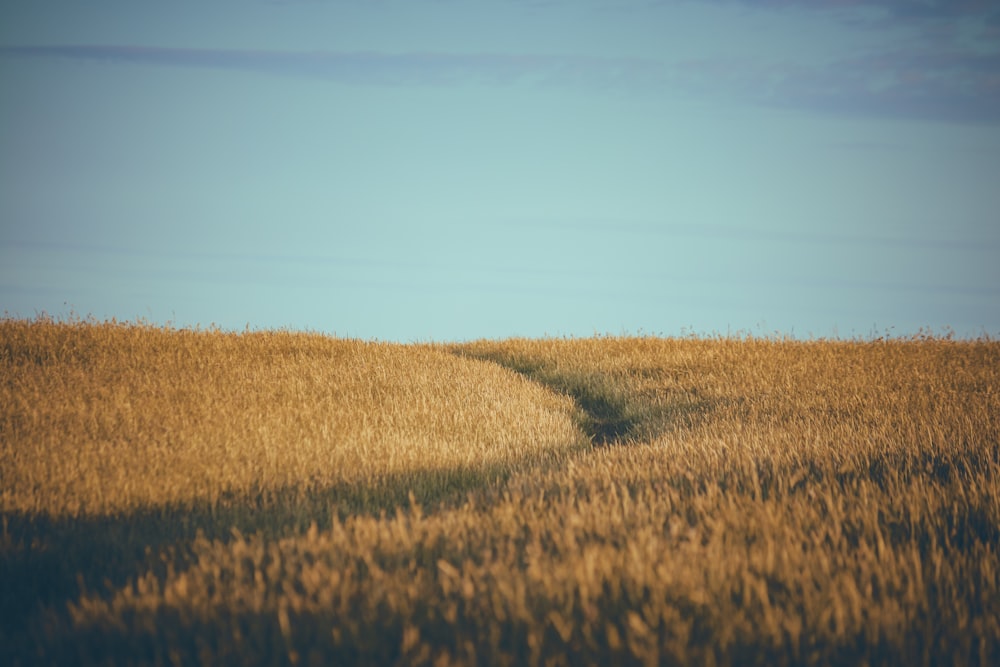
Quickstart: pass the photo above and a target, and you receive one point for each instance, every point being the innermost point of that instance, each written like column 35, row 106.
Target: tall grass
column 645, row 501
column 103, row 418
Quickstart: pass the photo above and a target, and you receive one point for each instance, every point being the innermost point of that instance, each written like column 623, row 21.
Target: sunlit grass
column 103, row 418
column 597, row 501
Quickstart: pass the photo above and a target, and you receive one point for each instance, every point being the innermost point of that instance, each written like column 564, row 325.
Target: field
column 203, row 497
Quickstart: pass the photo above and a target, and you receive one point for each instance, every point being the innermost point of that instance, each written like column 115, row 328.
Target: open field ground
column 200, row 497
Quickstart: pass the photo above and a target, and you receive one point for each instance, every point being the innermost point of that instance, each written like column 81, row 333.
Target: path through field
column 209, row 498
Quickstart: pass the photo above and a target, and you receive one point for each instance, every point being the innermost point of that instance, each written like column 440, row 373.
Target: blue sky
column 436, row 169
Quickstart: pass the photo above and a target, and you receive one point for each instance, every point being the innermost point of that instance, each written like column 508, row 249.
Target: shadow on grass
column 608, row 420
column 45, row 561
column 612, row 412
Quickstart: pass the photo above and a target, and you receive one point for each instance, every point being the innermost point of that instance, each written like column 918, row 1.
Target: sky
column 449, row 170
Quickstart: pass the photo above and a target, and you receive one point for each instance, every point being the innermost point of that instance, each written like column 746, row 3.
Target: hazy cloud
column 949, row 86
column 941, row 85
column 943, row 63
column 373, row 67
column 900, row 9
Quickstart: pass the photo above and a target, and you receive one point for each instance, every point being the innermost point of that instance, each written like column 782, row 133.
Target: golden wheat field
column 178, row 497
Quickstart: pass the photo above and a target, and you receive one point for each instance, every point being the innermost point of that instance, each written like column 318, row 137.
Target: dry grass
column 743, row 502
column 104, row 418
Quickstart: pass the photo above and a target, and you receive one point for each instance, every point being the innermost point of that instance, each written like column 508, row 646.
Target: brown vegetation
column 288, row 498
